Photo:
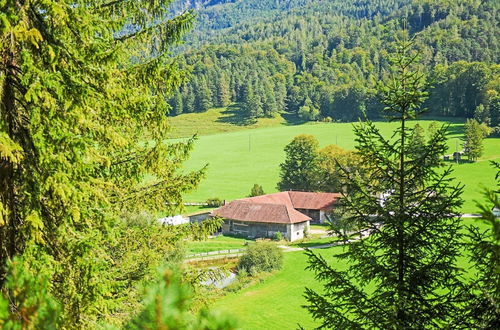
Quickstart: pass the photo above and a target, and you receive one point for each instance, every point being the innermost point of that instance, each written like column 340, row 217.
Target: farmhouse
column 288, row 212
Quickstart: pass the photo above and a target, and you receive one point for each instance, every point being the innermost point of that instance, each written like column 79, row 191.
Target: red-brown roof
column 313, row 200
column 298, row 199
column 260, row 212
column 282, row 198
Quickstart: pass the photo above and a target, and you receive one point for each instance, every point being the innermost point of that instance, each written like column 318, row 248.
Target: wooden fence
column 216, row 254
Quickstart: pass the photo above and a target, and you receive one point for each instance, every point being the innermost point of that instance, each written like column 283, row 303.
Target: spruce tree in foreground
column 404, row 275
column 484, row 302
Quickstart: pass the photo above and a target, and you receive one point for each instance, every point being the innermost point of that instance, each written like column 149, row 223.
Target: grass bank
column 275, row 303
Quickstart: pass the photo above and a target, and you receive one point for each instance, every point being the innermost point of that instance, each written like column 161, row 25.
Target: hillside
column 321, row 60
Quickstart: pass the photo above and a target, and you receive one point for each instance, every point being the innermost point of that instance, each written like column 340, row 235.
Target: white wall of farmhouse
column 295, row 231
column 322, row 216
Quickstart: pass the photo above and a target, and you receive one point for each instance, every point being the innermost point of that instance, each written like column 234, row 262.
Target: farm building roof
column 278, row 207
column 260, row 212
column 298, row 199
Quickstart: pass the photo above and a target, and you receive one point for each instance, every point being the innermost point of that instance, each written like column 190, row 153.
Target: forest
column 322, row 60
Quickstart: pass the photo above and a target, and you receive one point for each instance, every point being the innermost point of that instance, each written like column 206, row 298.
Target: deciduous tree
column 473, row 139
column 298, row 172
column 332, row 162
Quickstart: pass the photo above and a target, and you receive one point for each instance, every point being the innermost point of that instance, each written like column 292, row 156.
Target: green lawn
column 276, row 302
column 217, row 120
column 313, row 242
column 239, row 159
column 216, row 244
column 192, row 209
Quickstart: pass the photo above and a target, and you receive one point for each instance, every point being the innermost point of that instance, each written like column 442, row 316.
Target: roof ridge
column 290, row 197
column 258, row 203
column 287, row 213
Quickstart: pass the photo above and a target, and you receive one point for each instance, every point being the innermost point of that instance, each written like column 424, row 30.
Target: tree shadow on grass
column 456, row 130
column 292, row 119
column 322, row 244
column 233, row 115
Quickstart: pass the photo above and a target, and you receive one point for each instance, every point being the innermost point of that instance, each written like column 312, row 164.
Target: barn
column 288, row 212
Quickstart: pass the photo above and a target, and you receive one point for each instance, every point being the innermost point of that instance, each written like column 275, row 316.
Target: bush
column 306, row 231
column 308, row 113
column 278, row 236
column 256, row 191
column 214, row 202
column 261, row 257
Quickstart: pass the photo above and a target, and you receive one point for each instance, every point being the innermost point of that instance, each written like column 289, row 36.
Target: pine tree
column 224, row 95
column 256, row 191
column 416, row 144
column 269, row 104
column 177, row 105
column 409, row 259
column 203, row 96
column 189, row 99
column 83, row 86
column 252, row 104
column 484, row 247
column 280, row 91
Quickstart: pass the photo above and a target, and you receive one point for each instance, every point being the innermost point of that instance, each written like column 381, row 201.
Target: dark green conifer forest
column 328, row 56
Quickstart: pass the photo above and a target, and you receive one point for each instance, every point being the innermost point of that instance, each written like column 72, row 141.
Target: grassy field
column 239, row 159
column 217, row 120
column 276, row 302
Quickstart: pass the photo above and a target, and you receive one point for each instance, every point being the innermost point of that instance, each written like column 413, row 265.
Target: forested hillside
column 322, row 59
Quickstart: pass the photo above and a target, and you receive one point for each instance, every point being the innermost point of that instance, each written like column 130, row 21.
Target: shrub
column 256, row 191
column 308, row 113
column 306, row 231
column 214, row 202
column 278, row 236
column 261, row 257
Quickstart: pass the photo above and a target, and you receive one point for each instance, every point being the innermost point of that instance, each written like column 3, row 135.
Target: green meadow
column 238, row 159
column 218, row 120
column 276, row 302
column 239, row 156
